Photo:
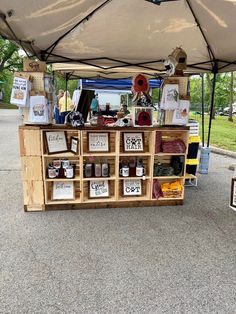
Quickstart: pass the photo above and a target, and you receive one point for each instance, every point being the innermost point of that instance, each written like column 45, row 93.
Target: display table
column 112, row 146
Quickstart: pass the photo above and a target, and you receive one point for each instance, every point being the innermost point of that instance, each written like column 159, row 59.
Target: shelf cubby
column 147, row 142
column 165, row 161
column 169, row 180
column 49, row 193
column 69, row 134
column 85, row 143
column 145, row 190
column 146, row 162
column 86, row 196
column 111, row 160
column 74, row 160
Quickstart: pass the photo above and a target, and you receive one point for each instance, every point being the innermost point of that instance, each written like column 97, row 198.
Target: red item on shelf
column 156, row 190
column 175, row 146
column 158, row 143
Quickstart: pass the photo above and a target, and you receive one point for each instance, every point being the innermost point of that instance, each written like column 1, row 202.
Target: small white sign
column 133, row 142
column 233, row 194
column 56, row 142
column 132, row 187
column 19, row 91
column 98, row 189
column 98, row 142
column 63, row 190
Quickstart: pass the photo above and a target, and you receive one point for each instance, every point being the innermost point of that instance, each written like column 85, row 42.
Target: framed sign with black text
column 98, row 189
column 98, row 142
column 132, row 187
column 133, row 142
column 63, row 190
column 56, row 142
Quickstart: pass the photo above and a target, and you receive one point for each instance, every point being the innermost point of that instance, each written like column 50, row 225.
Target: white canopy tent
column 118, row 38
column 112, row 35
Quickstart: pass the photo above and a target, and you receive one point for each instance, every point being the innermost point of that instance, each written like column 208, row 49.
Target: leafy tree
column 10, row 61
column 9, row 56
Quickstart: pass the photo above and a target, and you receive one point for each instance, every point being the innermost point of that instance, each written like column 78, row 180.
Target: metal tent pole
column 202, row 76
column 212, row 108
column 67, row 77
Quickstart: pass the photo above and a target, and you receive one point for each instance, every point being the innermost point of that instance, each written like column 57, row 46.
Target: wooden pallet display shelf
column 35, row 158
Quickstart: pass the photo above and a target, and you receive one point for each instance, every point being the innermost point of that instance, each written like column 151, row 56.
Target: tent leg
column 67, row 77
column 202, row 76
column 212, row 107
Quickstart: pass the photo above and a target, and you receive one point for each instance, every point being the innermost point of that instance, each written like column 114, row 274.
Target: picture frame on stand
column 74, row 145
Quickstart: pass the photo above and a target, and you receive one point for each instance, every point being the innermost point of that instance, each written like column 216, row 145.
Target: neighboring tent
column 135, row 35
column 114, row 85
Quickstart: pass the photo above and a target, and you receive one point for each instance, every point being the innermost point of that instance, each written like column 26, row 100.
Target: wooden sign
column 63, row 190
column 132, row 187
column 233, row 194
column 98, row 142
column 34, row 66
column 98, row 189
column 56, row 142
column 133, row 142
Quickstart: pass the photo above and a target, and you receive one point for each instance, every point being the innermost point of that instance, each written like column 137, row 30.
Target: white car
column 226, row 110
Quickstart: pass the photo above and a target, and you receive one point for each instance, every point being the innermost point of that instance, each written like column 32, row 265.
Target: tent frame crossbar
column 210, row 51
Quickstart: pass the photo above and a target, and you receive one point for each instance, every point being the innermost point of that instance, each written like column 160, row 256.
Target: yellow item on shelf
column 172, row 189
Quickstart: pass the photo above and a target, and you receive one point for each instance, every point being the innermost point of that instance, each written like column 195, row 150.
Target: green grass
column 223, row 132
column 7, row 106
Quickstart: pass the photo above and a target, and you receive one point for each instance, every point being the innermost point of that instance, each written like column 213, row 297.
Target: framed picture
column 233, row 194
column 133, row 142
column 56, row 142
column 98, row 189
column 98, row 142
column 63, row 190
column 74, row 145
column 132, row 187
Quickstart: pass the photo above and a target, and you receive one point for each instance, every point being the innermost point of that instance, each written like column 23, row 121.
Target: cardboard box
column 34, row 66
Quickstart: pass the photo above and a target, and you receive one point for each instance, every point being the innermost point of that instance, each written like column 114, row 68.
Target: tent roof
column 118, row 34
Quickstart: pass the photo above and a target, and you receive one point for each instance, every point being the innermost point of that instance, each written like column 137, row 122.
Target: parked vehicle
column 226, row 110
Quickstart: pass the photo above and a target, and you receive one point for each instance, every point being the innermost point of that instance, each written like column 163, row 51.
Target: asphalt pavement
column 167, row 259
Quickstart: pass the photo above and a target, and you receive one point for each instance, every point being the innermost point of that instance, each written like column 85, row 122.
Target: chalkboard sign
column 233, row 194
column 56, row 142
column 132, row 187
column 98, row 189
column 133, row 142
column 98, row 142
column 63, row 190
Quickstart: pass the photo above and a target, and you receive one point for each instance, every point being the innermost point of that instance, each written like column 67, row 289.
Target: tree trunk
column 231, row 95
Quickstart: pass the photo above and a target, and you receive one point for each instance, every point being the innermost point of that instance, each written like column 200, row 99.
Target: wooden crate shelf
column 38, row 188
